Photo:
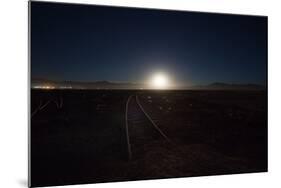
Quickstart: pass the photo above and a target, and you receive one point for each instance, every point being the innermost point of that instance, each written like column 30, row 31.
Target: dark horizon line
column 140, row 83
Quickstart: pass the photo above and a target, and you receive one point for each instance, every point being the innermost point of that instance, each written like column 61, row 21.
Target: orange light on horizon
column 44, row 87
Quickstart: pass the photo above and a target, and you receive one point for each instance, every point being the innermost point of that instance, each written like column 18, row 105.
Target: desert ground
column 92, row 136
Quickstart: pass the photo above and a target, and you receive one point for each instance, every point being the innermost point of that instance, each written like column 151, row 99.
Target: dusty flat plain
column 88, row 136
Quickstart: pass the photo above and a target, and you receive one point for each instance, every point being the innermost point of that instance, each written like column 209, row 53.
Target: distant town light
column 44, row 87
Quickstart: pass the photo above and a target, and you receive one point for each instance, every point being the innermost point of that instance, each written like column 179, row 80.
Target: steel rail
column 152, row 122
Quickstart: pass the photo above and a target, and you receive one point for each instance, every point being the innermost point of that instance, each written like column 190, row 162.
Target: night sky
column 94, row 43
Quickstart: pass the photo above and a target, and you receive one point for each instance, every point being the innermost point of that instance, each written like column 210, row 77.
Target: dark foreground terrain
column 90, row 136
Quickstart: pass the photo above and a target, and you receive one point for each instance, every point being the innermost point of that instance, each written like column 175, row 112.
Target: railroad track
column 141, row 130
column 40, row 107
column 58, row 102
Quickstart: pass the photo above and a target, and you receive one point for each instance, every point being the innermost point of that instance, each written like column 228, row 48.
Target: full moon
column 159, row 81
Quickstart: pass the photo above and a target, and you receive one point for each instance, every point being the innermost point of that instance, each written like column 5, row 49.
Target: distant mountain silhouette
column 226, row 86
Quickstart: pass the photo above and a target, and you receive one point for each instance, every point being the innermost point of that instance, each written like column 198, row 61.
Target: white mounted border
column 252, row 7
column 13, row 95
